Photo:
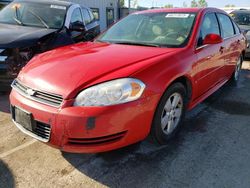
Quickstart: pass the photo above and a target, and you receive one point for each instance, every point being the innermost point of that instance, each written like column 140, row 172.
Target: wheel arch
column 186, row 82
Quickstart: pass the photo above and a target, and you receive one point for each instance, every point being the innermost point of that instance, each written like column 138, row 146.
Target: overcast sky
column 178, row 3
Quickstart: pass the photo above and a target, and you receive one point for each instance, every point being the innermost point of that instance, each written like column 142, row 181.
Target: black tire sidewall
column 157, row 133
column 233, row 76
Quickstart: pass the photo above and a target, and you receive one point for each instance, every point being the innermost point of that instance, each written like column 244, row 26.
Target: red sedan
column 135, row 80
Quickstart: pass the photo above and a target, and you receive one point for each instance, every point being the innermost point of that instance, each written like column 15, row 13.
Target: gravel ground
column 212, row 150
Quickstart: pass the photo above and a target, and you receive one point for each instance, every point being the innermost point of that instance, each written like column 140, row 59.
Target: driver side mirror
column 212, row 39
column 77, row 26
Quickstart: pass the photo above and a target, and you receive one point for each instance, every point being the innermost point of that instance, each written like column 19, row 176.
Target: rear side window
column 227, row 26
column 209, row 26
column 86, row 16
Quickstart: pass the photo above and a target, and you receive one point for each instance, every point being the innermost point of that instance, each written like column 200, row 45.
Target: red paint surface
column 69, row 70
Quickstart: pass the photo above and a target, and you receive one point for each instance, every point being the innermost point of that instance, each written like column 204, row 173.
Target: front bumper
column 91, row 129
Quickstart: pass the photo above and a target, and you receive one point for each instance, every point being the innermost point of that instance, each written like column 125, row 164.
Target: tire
column 169, row 114
column 236, row 74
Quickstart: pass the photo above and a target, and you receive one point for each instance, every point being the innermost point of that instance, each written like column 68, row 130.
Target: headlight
column 111, row 93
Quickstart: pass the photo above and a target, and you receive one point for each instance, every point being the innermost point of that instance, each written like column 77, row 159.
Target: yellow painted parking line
column 5, row 154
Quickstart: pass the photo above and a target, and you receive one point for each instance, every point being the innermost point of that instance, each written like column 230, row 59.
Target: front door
column 77, row 18
column 210, row 60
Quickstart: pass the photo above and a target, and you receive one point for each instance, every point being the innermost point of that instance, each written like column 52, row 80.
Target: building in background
column 105, row 11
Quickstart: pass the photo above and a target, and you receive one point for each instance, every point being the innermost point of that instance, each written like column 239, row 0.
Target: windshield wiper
column 40, row 19
column 18, row 21
column 16, row 17
column 137, row 44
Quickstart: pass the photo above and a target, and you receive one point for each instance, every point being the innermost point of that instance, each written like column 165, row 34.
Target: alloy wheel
column 171, row 113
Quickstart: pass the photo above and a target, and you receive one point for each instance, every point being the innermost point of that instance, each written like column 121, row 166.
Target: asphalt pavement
column 212, row 150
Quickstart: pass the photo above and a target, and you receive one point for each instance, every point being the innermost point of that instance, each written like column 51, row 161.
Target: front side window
column 76, row 16
column 34, row 14
column 209, row 26
column 227, row 26
column 159, row 29
column 86, row 16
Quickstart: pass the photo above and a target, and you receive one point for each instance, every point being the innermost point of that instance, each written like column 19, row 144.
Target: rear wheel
column 169, row 114
column 236, row 75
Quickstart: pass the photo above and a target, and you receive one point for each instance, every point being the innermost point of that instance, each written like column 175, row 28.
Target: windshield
column 241, row 18
column 152, row 29
column 34, row 14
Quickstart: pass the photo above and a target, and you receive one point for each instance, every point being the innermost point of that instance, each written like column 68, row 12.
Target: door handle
column 222, row 48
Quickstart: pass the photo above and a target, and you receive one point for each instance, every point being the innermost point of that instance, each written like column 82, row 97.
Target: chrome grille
column 39, row 96
column 42, row 130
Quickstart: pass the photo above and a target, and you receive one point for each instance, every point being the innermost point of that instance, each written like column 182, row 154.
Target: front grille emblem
column 30, row 92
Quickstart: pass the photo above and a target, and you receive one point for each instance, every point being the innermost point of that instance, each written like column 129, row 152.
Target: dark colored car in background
column 29, row 27
column 242, row 18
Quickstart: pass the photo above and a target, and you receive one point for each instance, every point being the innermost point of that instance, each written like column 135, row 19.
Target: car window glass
column 86, row 16
column 34, row 14
column 76, row 16
column 164, row 29
column 91, row 16
column 209, row 26
column 236, row 28
column 227, row 26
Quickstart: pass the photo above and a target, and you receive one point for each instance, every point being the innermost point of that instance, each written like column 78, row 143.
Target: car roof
column 56, row 2
column 241, row 11
column 184, row 10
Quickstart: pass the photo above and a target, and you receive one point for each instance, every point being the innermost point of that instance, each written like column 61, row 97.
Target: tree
column 134, row 3
column 122, row 3
column 169, row 6
column 202, row 3
column 194, row 3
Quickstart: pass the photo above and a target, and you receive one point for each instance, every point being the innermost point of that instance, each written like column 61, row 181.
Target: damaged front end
column 11, row 62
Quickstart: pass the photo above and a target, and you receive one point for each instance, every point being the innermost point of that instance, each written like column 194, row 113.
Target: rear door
column 210, row 60
column 232, row 40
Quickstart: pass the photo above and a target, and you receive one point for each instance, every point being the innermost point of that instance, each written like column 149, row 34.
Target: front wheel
column 169, row 114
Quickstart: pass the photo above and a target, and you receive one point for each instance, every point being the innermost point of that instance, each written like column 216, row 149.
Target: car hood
column 16, row 36
column 64, row 70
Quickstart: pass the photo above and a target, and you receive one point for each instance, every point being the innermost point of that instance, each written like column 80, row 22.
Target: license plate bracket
column 24, row 118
